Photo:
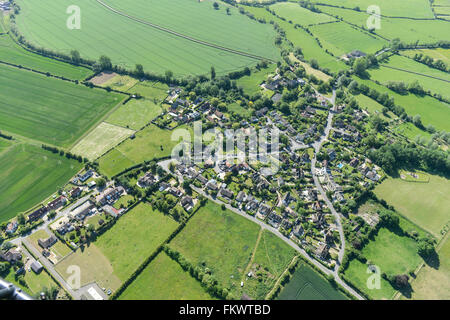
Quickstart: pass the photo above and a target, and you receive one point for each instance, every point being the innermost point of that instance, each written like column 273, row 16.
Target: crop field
column 134, row 238
column 429, row 211
column 135, row 114
column 307, row 284
column 410, row 31
column 432, row 111
column 272, row 257
column 28, row 175
column 48, row 109
column 129, row 42
column 341, row 38
column 299, row 15
column 410, row 8
column 164, row 279
column 432, row 282
column 300, row 38
column 430, row 79
column 94, row 267
column 104, row 137
column 222, row 240
column 12, row 53
column 438, row 53
column 133, row 151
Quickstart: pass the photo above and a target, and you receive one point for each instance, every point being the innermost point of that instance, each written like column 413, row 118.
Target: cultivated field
column 48, row 109
column 429, row 211
column 222, row 240
column 134, row 238
column 299, row 15
column 104, row 137
column 28, row 175
column 135, row 114
column 12, row 53
column 307, row 284
column 164, row 279
column 133, row 151
column 129, row 42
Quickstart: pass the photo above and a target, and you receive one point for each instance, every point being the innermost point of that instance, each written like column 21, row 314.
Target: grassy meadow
column 135, row 114
column 299, row 15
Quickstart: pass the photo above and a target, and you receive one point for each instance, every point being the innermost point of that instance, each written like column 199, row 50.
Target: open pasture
column 129, row 42
column 299, row 15
column 28, row 175
column 135, row 114
column 47, row 109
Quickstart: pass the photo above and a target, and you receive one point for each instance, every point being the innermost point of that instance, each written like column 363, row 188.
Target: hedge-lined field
column 135, row 114
column 12, row 53
column 28, row 175
column 299, row 15
column 164, row 279
column 47, row 109
column 128, row 42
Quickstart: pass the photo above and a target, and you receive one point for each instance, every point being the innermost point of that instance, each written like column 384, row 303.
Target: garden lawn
column 134, row 237
column 47, row 109
column 429, row 211
column 164, row 279
column 251, row 84
column 29, row 175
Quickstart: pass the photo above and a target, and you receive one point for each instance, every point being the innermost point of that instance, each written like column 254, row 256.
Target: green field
column 341, row 38
column 299, row 15
column 222, row 240
column 10, row 52
column 432, row 111
column 134, row 238
column 137, row 150
column 429, row 211
column 409, row 31
column 438, row 53
column 431, row 282
column 129, row 42
column 35, row 282
column 300, row 38
column 164, row 279
column 104, row 137
column 440, row 83
column 401, row 8
column 47, row 109
column 410, row 131
column 28, row 175
column 307, row 284
column 154, row 91
column 135, row 114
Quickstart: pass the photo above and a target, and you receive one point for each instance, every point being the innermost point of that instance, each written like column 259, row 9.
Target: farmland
column 28, row 175
column 341, row 38
column 131, row 42
column 222, row 240
column 148, row 229
column 11, row 52
column 439, row 53
column 429, row 211
column 307, row 284
column 48, row 109
column 133, row 151
column 298, row 15
column 430, row 79
column 164, row 279
column 104, row 137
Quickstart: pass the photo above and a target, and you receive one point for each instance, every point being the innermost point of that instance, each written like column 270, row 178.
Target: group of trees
column 62, row 153
column 403, row 88
column 429, row 61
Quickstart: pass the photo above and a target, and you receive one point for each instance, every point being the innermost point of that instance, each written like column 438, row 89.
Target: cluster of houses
column 54, row 205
